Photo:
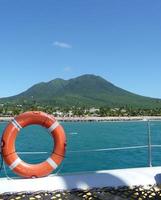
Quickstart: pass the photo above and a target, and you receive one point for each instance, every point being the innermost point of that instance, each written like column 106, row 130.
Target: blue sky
column 44, row 39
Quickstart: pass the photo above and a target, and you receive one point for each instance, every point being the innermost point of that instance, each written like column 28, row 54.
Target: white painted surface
column 52, row 163
column 53, row 127
column 15, row 163
column 123, row 177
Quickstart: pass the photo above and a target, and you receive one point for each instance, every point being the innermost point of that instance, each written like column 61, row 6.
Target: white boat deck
column 98, row 179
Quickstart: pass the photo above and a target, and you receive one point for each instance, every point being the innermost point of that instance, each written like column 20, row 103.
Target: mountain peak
column 89, row 76
column 57, row 80
column 85, row 90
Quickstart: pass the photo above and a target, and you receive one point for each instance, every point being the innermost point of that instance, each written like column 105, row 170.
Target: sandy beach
column 99, row 119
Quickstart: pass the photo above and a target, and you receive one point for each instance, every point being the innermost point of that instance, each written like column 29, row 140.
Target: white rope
column 60, row 168
column 114, row 149
column 109, row 149
column 30, row 152
column 156, row 145
column 5, row 172
column 96, row 150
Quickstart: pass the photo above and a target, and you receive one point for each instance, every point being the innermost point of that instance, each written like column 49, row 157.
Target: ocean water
column 84, row 137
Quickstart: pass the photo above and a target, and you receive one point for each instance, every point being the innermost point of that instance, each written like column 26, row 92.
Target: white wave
column 73, row 133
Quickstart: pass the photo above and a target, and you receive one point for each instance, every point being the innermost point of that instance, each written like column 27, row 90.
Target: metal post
column 149, row 144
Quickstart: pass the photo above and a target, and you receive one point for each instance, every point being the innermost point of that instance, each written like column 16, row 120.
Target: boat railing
column 149, row 147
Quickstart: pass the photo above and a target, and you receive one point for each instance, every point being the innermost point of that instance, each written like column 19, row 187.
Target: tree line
column 12, row 110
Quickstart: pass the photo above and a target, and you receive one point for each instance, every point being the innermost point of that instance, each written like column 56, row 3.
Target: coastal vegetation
column 12, row 110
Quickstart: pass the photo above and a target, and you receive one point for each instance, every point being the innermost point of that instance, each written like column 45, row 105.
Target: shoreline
column 97, row 119
column 108, row 119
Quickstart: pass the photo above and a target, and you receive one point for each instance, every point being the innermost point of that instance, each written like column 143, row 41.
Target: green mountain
column 85, row 90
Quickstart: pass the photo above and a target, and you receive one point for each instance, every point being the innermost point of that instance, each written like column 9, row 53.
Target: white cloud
column 62, row 45
column 67, row 69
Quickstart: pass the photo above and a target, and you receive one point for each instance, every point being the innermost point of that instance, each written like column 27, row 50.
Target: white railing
column 149, row 147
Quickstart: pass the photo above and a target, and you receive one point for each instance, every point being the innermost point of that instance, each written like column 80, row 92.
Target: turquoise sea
column 84, row 137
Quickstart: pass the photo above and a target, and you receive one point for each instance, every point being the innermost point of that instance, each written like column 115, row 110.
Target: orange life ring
column 8, row 144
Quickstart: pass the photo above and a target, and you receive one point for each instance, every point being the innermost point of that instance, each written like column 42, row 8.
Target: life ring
column 8, row 144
